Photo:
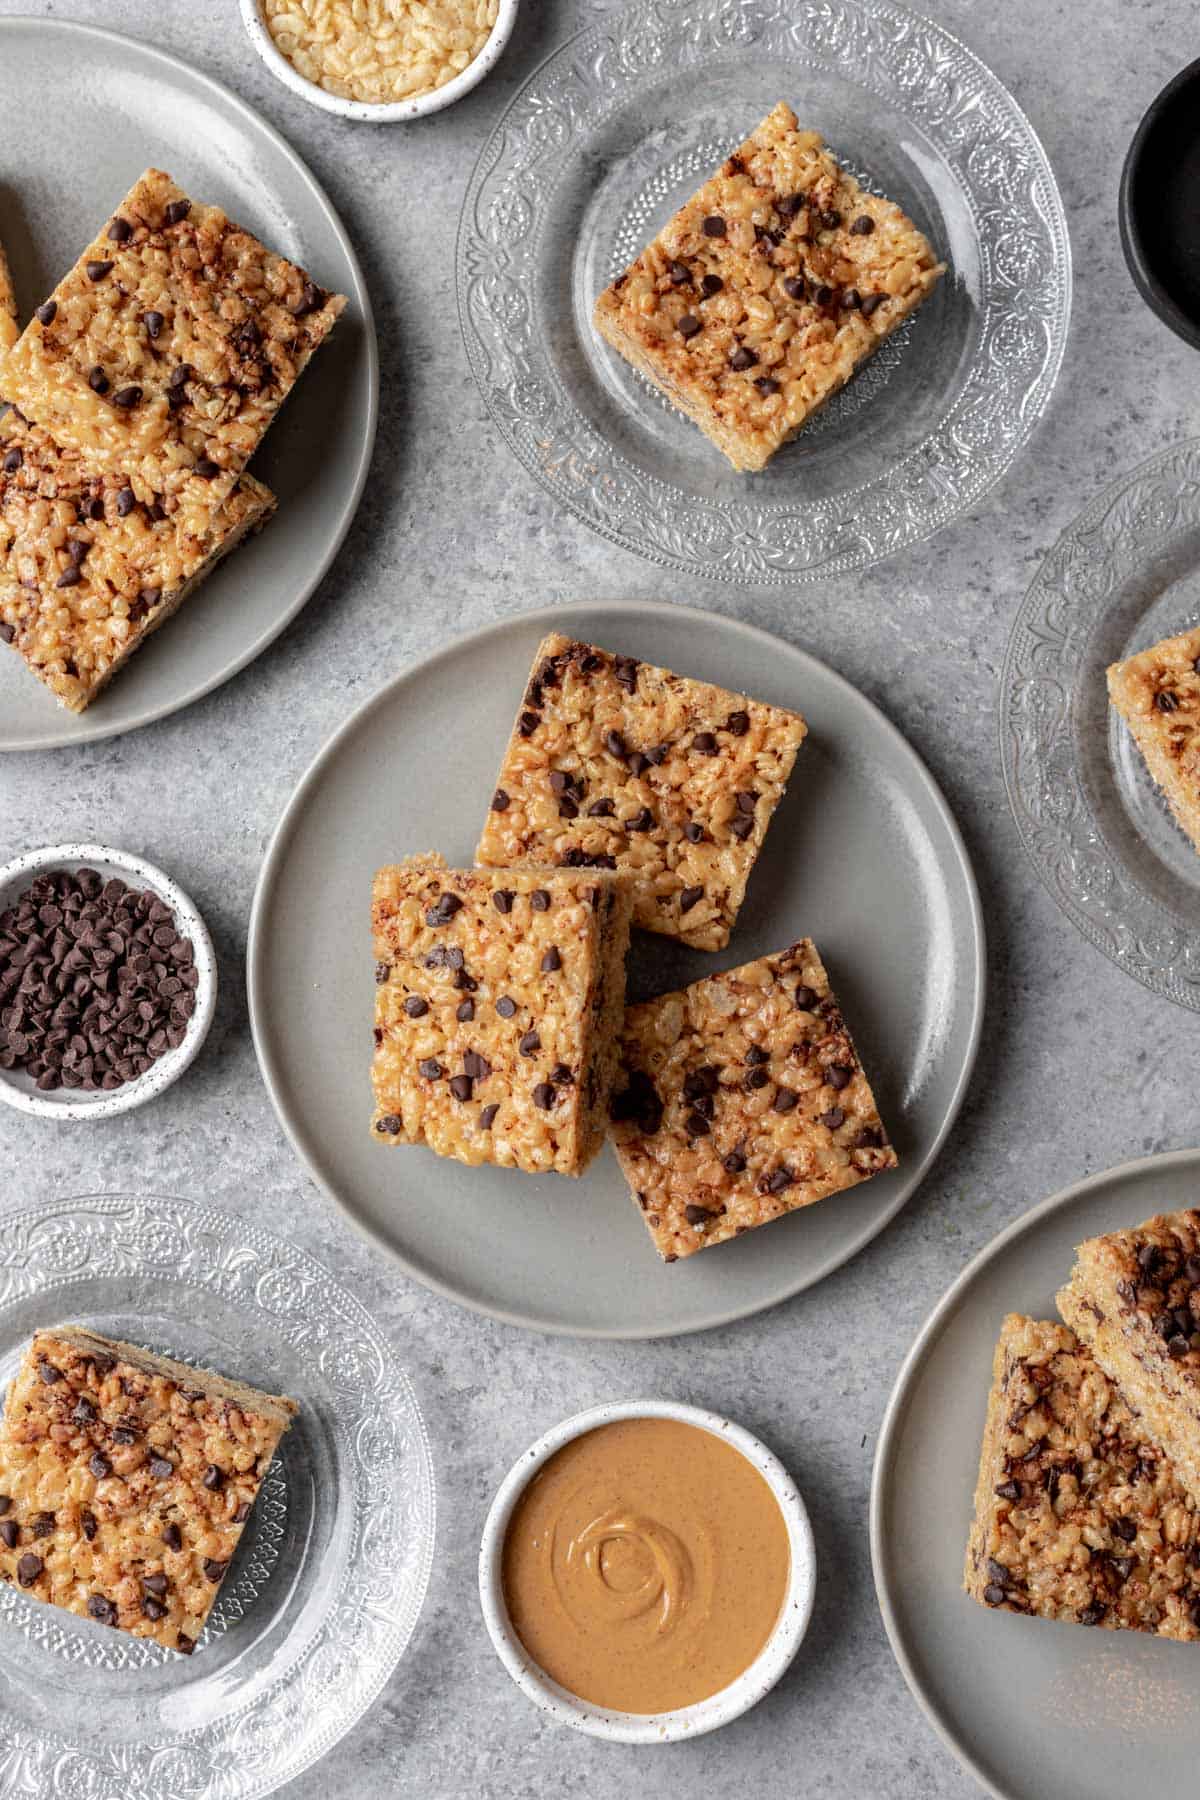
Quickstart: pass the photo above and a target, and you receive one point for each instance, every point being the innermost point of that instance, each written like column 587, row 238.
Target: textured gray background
column 451, row 534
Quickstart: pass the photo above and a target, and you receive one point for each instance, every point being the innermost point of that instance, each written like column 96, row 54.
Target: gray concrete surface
column 1075, row 1069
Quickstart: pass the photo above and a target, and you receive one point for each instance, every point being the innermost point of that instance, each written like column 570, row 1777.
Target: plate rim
column 274, row 855
column 898, row 1400
column 47, row 737
column 841, row 563
column 1152, row 976
column 110, row 1199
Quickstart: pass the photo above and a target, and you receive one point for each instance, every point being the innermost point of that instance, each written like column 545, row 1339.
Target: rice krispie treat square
column 126, row 1480
column 88, row 572
column 616, row 764
column 1157, row 693
column 1134, row 1300
column 167, row 351
column 765, row 293
column 498, row 1007
column 8, row 308
column 742, row 1098
column 1078, row 1515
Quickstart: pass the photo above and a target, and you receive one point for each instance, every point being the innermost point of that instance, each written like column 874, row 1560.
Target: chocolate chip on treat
column 756, row 1078
column 551, row 961
column 98, row 269
column 70, row 577
column 689, row 325
column 601, row 809
column 97, row 380
column 172, row 1537
column 431, row 1069
column 642, row 820
column 679, row 274
column 697, row 1215
column 465, row 1012
column 152, row 1608
column 99, row 1465
column 544, row 1095
column 527, row 724
column 742, row 825
column 705, row 743
column 778, row 1180
column 742, row 358
column 461, row 1087
column 839, row 1076
column 12, row 462
column 500, row 801
column 443, row 910
column 206, row 468
column 29, row 1567
column 176, row 212
column 713, row 226
column 851, row 300
column 487, row 1117
column 1008, row 1490
column 46, row 313
column 766, row 385
column 734, row 1163
column 415, row 1007
column 863, row 226
column 213, row 1478
column 502, row 900
column 794, row 287
column 88, row 1521
column 872, row 303
column 49, row 1373
column 5, row 1504
column 994, row 1594
column 710, row 285
column 539, row 900
column 1149, row 1258
column 9, row 1533
column 689, row 898
column 161, row 1467
column 506, row 1006
column 154, row 321
column 785, row 1100
column 561, row 1075
column 128, row 397
column 214, row 1571
column 806, row 998
column 101, row 1609
column 1166, row 701
column 833, row 1119
column 529, row 1044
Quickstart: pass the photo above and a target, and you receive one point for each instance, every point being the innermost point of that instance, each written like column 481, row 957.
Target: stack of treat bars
column 137, row 395
column 1088, row 1503
column 627, row 794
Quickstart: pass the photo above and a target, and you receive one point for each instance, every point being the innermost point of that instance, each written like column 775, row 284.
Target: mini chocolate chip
column 214, row 1571
column 601, row 809
column 838, row 1076
column 70, row 577
column 995, row 1596
column 766, row 385
column 823, row 295
column 502, row 900
column 1008, row 1490
column 863, row 226
column 689, row 898
column 161, row 1468
column 9, row 1533
column 679, row 273
column 5, row 1504
column 45, row 313
column 49, row 1373
column 742, row 358
column 1092, row 1615
column 1149, row 1257
column 154, row 322
column 213, row 1478
column 487, row 1117
column 506, row 1007
column 184, row 1644
column 97, row 270
column 88, row 1522
column 99, row 1465
column 206, row 468
column 734, row 1163
column 127, row 397
column 101, row 1609
column 696, row 1125
column 176, row 212
column 785, row 1100
column 757, row 1078
column 713, row 226
column 561, row 1075
column 705, row 743
column 779, row 1179
column 794, row 287
column 172, row 1537
column 539, row 900
column 872, row 303
column 465, row 1012
column 1166, row 701
column 13, row 461
column 551, row 961
column 742, row 826
column 461, row 1087
column 476, row 1066
column 415, row 1007
column 29, row 1567
column 738, row 723
column 500, row 801
column 152, row 1608
column 443, row 910
column 529, row 1044
column 833, row 1119
column 528, row 723
column 710, row 285
column 431, row 1069
column 615, row 744
column 641, row 820
column 697, row 1215
column 242, row 1513
column 689, row 325
column 544, row 1095
column 98, row 380
column 851, row 299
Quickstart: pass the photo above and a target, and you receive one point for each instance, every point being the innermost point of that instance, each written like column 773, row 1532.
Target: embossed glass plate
column 615, row 131
column 330, row 1574
column 1125, row 574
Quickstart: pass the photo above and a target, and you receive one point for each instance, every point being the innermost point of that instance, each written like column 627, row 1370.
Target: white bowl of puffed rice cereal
column 380, row 61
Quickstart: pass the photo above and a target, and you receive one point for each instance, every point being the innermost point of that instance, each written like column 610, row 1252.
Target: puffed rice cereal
column 379, row 51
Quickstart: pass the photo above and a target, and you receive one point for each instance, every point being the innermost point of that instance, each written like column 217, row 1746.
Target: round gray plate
column 1031, row 1708
column 863, row 855
column 84, row 113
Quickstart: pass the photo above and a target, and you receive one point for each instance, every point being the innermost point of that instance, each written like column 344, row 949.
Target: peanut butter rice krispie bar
column 167, row 351
column 742, row 1098
column 126, row 1480
column 765, row 293
column 9, row 330
column 1157, row 693
column 498, row 1007
column 616, row 764
column 87, row 571
column 1078, row 1515
column 1134, row 1300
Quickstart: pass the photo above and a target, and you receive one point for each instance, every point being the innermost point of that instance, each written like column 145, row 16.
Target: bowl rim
column 1157, row 297
column 391, row 112
column 730, row 1702
column 163, row 1073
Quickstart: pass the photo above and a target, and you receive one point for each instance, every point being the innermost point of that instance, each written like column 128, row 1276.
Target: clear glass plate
column 1125, row 574
column 329, row 1577
column 613, row 133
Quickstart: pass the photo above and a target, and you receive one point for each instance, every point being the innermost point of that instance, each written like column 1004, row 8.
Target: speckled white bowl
column 18, row 1089
column 394, row 112
column 687, row 1721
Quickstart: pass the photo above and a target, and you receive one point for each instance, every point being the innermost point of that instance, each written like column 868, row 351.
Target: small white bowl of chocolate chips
column 108, row 982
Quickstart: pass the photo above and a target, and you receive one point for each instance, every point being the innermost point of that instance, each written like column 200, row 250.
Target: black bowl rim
column 1157, row 297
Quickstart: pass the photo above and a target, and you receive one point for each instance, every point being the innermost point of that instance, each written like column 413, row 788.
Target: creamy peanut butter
column 645, row 1565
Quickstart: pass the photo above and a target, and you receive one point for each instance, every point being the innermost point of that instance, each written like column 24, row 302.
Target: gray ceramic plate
column 863, row 855
column 1032, row 1709
column 84, row 113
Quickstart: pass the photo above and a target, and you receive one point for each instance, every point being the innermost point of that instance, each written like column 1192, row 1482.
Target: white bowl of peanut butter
column 647, row 1571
